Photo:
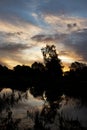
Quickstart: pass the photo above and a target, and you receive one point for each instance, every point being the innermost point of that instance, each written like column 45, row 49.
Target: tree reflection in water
column 42, row 115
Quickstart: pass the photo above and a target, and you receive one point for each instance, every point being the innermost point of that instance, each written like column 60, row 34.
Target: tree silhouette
column 37, row 65
column 22, row 76
column 51, row 60
column 38, row 70
column 53, row 70
column 47, row 76
column 77, row 66
column 75, row 80
column 49, row 52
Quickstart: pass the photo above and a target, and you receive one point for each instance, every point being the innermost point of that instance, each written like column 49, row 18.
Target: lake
column 70, row 107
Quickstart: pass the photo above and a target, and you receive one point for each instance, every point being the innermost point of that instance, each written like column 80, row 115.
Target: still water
column 70, row 107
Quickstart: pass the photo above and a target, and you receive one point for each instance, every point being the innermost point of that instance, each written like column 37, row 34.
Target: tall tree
column 54, row 71
column 51, row 60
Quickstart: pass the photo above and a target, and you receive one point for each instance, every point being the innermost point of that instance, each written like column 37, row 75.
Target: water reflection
column 29, row 105
column 72, row 108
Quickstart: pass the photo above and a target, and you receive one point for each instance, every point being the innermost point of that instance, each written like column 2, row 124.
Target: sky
column 26, row 26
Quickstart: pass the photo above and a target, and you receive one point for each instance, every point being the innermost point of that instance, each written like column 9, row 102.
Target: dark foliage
column 48, row 116
column 8, row 122
column 47, row 76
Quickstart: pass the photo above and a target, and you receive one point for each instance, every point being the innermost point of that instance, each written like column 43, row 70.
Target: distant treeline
column 47, row 76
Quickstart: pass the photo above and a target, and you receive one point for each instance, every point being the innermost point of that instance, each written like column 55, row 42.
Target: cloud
column 13, row 33
column 13, row 42
column 2, row 63
column 20, row 12
column 72, row 44
column 43, row 14
column 12, row 53
column 27, row 25
column 43, row 38
column 33, row 12
column 64, row 24
column 77, row 42
column 13, row 47
column 69, row 34
column 64, row 7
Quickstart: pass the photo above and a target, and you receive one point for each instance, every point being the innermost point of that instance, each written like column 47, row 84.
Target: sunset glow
column 27, row 26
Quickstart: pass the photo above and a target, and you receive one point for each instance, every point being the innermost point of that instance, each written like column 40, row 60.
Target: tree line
column 47, row 76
